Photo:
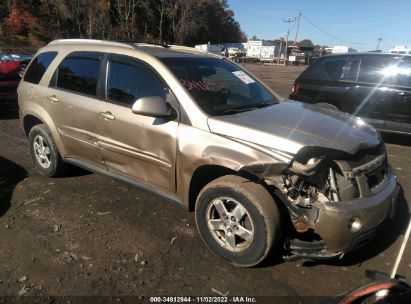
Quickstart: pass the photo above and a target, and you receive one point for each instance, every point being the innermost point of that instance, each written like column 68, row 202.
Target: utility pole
column 296, row 32
column 379, row 41
column 288, row 20
column 281, row 47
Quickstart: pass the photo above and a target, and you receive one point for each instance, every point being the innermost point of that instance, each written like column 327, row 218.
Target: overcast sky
column 355, row 23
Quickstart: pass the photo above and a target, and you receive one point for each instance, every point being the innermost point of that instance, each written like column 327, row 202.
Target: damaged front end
column 336, row 201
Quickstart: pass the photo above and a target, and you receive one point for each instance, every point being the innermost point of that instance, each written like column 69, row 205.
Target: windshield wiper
column 254, row 106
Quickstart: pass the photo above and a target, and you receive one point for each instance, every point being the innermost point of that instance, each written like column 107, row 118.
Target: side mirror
column 154, row 106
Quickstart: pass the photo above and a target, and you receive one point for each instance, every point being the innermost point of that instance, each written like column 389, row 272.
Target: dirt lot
column 85, row 235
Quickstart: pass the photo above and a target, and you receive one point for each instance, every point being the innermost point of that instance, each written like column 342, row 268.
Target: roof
column 156, row 50
column 369, row 54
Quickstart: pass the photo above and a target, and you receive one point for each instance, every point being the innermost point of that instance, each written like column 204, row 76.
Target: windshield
column 218, row 86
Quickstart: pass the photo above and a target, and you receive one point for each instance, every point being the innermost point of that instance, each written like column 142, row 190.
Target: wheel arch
column 29, row 121
column 207, row 173
column 34, row 114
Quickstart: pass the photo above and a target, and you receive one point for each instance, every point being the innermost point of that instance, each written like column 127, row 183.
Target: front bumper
column 332, row 224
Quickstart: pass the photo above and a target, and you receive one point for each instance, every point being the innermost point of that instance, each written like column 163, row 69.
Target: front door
column 399, row 114
column 140, row 147
column 371, row 91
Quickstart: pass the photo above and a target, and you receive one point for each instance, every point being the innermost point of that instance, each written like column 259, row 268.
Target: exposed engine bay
column 317, row 178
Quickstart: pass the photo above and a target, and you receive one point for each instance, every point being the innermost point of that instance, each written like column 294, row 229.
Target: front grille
column 367, row 155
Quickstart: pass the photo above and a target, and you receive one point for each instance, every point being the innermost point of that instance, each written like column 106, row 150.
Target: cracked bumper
column 333, row 220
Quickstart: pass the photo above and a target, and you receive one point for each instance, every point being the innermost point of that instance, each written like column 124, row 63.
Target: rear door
column 319, row 83
column 139, row 147
column 346, row 83
column 73, row 101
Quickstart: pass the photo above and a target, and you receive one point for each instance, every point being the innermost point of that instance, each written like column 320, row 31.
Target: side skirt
column 136, row 184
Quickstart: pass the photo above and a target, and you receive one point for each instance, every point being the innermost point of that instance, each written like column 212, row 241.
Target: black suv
column 374, row 86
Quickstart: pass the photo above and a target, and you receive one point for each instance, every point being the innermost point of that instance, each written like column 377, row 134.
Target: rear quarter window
column 38, row 67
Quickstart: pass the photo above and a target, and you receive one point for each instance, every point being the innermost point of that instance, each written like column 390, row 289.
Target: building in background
column 341, row 49
column 400, row 49
column 256, row 49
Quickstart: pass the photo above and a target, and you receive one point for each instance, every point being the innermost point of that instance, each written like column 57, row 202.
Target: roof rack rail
column 142, row 42
column 88, row 41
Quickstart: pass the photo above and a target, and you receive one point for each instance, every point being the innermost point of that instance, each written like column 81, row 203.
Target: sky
column 354, row 23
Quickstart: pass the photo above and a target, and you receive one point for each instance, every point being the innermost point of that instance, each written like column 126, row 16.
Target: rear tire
column 44, row 153
column 238, row 220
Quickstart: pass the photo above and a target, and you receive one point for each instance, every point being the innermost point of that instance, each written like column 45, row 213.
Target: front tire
column 44, row 153
column 238, row 220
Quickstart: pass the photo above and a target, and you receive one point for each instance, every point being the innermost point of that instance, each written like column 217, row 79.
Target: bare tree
column 162, row 6
column 98, row 19
column 125, row 14
column 185, row 19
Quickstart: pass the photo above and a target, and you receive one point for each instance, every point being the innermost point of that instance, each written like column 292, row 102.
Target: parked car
column 200, row 131
column 9, row 76
column 11, row 67
column 374, row 86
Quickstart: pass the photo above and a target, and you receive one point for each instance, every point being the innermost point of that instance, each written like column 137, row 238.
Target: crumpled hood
column 291, row 125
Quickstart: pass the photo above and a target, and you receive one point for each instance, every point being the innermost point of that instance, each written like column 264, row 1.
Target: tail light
column 296, row 88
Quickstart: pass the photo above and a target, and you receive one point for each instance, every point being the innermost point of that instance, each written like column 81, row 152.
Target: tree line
column 186, row 22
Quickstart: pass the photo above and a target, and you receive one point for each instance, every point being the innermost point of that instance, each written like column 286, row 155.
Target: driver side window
column 127, row 82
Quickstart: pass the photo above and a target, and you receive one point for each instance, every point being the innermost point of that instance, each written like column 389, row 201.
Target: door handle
column 53, row 98
column 107, row 115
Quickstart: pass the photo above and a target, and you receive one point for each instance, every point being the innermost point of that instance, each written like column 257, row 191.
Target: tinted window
column 39, row 66
column 218, row 86
column 373, row 69
column 350, row 70
column 126, row 83
column 402, row 74
column 326, row 69
column 79, row 73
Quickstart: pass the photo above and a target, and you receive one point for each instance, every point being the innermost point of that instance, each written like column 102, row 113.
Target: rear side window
column 39, row 66
column 126, row 83
column 79, row 72
column 326, row 69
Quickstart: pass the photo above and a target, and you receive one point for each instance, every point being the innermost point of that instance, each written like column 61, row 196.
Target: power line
column 331, row 35
column 298, row 27
column 292, row 28
column 288, row 20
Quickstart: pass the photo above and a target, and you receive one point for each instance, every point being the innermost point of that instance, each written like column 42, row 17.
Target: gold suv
column 263, row 175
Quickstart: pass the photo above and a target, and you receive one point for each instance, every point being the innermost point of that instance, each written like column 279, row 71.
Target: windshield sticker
column 243, row 77
column 208, row 85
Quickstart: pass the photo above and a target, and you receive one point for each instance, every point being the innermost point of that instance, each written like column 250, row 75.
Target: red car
column 9, row 76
